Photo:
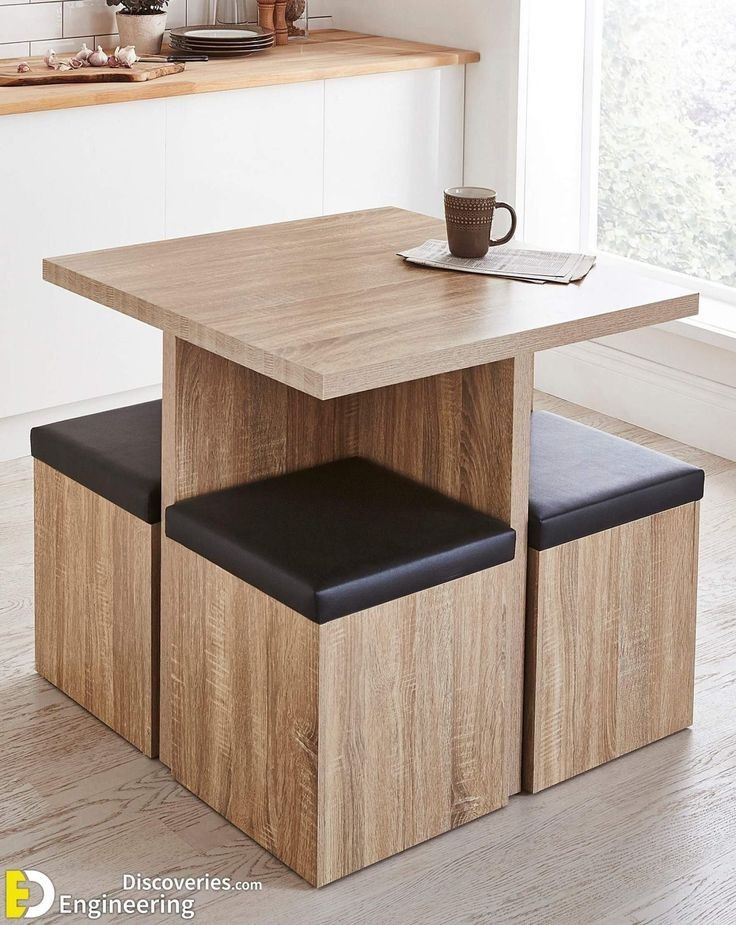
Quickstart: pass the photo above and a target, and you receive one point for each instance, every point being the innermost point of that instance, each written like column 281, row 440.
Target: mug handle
column 512, row 230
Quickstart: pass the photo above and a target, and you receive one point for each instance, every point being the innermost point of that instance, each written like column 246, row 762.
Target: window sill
column 715, row 325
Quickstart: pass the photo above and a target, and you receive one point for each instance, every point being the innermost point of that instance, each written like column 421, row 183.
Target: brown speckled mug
column 469, row 214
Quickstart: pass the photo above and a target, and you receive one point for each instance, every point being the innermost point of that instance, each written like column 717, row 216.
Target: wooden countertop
column 327, row 307
column 324, row 55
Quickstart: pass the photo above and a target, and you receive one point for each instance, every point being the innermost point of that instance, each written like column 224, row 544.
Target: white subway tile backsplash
column 61, row 46
column 14, row 50
column 176, row 14
column 28, row 21
column 108, row 42
column 82, row 17
column 41, row 23
column 200, row 12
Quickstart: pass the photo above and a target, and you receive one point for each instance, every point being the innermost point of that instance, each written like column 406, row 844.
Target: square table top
column 325, row 305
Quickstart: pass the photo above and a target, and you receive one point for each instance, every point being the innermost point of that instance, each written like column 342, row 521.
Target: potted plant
column 141, row 23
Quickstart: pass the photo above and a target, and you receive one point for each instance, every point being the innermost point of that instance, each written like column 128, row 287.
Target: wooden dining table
column 294, row 344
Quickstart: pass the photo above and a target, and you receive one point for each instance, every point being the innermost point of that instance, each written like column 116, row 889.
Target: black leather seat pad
column 116, row 454
column 584, row 481
column 339, row 538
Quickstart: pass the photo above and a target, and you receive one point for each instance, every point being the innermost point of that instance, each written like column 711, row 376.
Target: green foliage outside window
column 667, row 181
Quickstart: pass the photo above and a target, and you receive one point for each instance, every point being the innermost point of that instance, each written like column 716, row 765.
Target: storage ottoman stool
column 97, row 487
column 339, row 670
column 611, row 602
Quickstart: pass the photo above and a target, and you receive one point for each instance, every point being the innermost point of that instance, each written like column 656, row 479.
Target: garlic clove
column 126, row 56
column 49, row 59
column 74, row 63
column 63, row 66
column 112, row 61
column 98, row 58
column 23, row 67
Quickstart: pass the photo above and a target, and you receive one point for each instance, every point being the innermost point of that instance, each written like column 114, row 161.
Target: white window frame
column 550, row 34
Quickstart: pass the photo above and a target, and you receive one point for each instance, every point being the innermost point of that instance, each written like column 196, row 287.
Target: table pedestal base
column 407, row 721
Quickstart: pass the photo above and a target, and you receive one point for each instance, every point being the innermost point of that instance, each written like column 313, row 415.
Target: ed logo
column 17, row 891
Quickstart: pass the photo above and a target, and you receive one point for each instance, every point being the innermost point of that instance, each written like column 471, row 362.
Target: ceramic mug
column 469, row 214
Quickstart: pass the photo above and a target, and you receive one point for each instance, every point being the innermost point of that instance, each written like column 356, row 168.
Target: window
column 666, row 169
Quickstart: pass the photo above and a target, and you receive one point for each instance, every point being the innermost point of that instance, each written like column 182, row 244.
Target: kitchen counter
column 323, row 56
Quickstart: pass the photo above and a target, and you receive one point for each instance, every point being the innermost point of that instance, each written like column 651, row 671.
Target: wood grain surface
column 520, row 449
column 97, row 596
column 411, row 721
column 648, row 838
column 324, row 55
column 453, row 432
column 610, row 660
column 337, row 746
column 279, row 22
column 465, row 433
column 245, row 708
column 266, row 14
column 40, row 75
column 326, row 306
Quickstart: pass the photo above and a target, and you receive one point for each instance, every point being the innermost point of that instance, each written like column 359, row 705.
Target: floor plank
column 646, row 839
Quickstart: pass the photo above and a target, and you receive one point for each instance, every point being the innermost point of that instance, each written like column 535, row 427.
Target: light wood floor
column 649, row 838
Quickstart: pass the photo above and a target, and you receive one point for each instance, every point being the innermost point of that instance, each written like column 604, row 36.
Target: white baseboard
column 15, row 431
column 668, row 401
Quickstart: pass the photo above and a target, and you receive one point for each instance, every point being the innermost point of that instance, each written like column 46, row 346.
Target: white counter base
column 106, row 176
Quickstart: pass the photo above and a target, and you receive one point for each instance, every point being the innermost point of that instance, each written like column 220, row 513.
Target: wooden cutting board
column 40, row 74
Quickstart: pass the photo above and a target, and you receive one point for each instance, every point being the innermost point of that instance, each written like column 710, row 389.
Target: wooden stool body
column 337, row 745
column 97, row 604
column 610, row 644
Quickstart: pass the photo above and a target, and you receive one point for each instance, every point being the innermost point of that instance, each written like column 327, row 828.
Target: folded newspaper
column 508, row 262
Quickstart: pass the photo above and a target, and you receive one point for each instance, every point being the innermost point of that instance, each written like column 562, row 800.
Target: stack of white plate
column 221, row 40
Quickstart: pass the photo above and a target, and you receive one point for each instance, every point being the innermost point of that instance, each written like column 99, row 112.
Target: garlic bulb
column 23, row 67
column 98, row 58
column 83, row 53
column 49, row 59
column 126, row 56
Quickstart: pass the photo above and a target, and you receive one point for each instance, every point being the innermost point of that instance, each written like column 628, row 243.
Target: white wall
column 551, row 156
column 488, row 26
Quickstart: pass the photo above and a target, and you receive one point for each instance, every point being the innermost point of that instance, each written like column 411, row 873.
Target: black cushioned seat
column 584, row 481
column 338, row 538
column 116, row 454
